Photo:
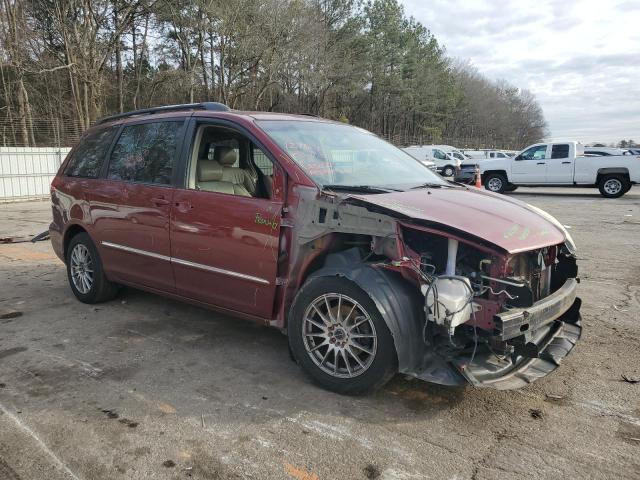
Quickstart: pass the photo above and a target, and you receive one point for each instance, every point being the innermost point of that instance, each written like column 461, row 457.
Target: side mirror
column 518, row 157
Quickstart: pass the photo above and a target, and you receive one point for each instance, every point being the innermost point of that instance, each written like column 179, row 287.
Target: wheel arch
column 398, row 302
column 486, row 173
column 71, row 231
column 612, row 171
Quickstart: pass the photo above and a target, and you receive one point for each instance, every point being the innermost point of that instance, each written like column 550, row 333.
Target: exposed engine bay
column 465, row 289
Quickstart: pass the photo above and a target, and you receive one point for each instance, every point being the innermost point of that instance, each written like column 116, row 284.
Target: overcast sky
column 581, row 58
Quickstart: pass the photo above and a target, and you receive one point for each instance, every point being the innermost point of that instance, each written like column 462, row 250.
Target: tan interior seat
column 210, row 178
column 227, row 157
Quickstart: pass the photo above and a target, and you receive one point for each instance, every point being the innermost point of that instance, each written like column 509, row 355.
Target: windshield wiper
column 361, row 188
column 429, row 185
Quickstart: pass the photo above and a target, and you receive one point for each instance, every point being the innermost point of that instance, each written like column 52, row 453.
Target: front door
column 132, row 208
column 225, row 223
column 225, row 249
column 530, row 166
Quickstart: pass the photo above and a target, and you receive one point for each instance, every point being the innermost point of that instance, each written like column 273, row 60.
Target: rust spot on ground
column 22, row 253
column 299, row 473
column 166, row 408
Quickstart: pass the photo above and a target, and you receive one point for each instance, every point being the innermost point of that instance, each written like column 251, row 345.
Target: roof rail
column 211, row 106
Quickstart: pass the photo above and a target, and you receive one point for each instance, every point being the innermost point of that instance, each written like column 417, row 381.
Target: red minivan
column 371, row 263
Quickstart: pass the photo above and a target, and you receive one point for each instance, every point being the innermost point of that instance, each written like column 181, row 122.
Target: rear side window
column 146, row 153
column 90, row 154
column 560, row 151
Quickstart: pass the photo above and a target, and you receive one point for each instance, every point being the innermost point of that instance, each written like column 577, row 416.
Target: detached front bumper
column 544, row 334
column 554, row 343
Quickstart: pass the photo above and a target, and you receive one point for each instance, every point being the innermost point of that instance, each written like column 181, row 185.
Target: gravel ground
column 145, row 387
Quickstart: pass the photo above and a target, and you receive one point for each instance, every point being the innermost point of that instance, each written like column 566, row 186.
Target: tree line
column 65, row 63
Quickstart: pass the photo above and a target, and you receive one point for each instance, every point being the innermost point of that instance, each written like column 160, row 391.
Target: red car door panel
column 135, row 235
column 224, row 249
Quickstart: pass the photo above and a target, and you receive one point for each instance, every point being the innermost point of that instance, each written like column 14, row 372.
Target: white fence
column 26, row 172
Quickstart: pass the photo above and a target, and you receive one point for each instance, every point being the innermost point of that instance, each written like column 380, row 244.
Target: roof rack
column 211, row 106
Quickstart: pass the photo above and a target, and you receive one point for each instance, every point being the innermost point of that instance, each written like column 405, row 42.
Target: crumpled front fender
column 401, row 306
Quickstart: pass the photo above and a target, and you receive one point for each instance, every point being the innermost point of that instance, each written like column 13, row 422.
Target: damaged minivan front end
column 500, row 320
column 486, row 297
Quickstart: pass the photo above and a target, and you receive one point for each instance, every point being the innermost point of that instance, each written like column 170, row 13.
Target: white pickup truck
column 556, row 164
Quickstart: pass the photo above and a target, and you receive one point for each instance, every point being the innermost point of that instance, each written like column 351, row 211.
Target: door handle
column 157, row 201
column 566, row 163
column 541, row 163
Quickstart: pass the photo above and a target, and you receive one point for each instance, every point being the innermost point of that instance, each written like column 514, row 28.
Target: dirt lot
column 144, row 387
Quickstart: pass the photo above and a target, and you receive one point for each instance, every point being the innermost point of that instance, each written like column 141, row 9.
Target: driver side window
column 534, row 153
column 439, row 154
column 225, row 161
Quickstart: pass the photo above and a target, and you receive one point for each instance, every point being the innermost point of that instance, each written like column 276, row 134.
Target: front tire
column 85, row 273
column 613, row 186
column 339, row 337
column 448, row 171
column 495, row 182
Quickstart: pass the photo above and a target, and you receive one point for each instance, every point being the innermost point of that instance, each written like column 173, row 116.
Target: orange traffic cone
column 478, row 179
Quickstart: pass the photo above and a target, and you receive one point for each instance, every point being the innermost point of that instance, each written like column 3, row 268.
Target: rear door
column 560, row 165
column 530, row 166
column 132, row 211
column 225, row 246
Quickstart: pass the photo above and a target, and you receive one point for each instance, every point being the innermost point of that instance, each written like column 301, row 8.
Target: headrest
column 209, row 171
column 226, row 156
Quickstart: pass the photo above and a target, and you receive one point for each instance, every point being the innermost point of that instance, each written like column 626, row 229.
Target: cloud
column 581, row 59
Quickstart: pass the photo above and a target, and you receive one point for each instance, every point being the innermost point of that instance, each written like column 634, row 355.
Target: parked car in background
column 484, row 154
column 371, row 263
column 559, row 164
column 444, row 157
column 605, row 151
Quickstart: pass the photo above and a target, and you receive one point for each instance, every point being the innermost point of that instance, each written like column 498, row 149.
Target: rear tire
column 495, row 182
column 613, row 185
column 85, row 273
column 339, row 337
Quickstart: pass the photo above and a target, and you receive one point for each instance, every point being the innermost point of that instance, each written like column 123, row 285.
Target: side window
column 439, row 154
column 146, row 153
column 90, row 154
column 261, row 161
column 492, row 155
column 224, row 160
column 534, row 153
column 560, row 151
column 215, row 149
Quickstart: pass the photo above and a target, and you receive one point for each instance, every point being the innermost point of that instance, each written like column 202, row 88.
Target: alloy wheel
column 339, row 335
column 81, row 268
column 494, row 184
column 613, row 186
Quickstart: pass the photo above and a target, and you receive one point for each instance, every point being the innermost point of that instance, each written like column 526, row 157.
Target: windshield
column 343, row 155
